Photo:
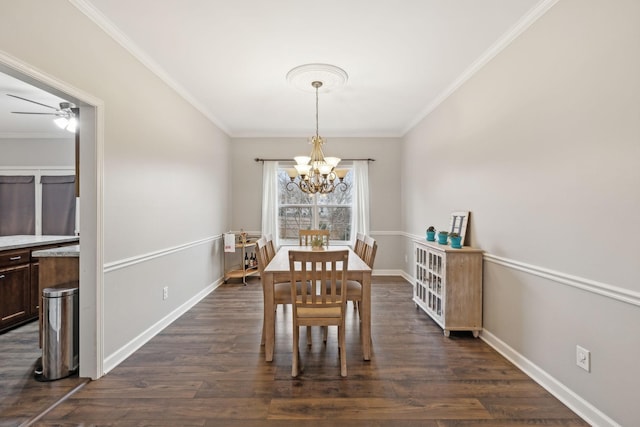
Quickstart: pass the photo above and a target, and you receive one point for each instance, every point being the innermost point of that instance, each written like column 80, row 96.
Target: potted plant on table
column 455, row 240
column 431, row 234
column 317, row 244
column 442, row 237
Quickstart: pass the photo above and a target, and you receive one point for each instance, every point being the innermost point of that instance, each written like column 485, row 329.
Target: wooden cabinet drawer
column 17, row 257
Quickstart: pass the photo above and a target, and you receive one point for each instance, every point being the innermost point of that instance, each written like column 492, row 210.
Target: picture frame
column 458, row 224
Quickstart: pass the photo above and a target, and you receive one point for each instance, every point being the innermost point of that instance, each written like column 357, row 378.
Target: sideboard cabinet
column 448, row 285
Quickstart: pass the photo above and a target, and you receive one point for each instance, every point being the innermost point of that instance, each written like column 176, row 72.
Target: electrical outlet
column 406, row 258
column 165, row 292
column 583, row 358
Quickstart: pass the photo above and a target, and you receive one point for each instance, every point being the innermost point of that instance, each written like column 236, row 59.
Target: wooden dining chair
column 354, row 287
column 281, row 291
column 323, row 304
column 306, row 236
column 271, row 248
column 358, row 248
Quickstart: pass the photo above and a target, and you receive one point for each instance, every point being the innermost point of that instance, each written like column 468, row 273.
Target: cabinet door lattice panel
column 448, row 286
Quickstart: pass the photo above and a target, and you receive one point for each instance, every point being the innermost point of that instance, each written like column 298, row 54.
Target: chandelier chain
column 317, row 120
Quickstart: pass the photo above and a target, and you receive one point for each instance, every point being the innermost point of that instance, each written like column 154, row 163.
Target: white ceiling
column 230, row 58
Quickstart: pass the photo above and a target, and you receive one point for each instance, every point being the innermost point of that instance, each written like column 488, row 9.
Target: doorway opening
column 89, row 161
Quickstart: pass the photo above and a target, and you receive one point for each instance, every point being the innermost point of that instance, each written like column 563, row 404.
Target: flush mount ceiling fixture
column 316, row 173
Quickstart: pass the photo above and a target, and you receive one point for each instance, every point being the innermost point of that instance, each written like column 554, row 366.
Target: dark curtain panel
column 17, row 205
column 58, row 205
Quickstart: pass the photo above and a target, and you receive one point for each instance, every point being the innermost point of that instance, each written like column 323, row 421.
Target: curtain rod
column 257, row 159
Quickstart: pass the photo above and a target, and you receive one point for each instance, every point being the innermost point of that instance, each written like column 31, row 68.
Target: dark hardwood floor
column 21, row 396
column 208, row 369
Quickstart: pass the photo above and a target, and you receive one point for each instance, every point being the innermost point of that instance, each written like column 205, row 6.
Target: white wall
column 542, row 146
column 165, row 170
column 37, row 152
column 384, row 181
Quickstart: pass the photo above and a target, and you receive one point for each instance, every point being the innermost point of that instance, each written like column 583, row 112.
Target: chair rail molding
column 127, row 262
column 603, row 289
column 610, row 291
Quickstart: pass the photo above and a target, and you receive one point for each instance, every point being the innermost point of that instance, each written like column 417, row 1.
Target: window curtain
column 17, row 205
column 360, row 199
column 270, row 200
column 58, row 205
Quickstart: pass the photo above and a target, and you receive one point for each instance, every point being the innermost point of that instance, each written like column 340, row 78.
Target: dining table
column 277, row 271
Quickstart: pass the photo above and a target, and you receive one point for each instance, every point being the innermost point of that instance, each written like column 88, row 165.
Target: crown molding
column 115, row 33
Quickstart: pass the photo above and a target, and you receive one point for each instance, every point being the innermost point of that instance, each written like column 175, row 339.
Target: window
column 17, row 205
column 298, row 210
column 37, row 201
column 58, row 205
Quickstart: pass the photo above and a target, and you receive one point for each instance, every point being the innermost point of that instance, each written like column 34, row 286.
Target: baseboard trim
column 584, row 409
column 387, row 272
column 127, row 350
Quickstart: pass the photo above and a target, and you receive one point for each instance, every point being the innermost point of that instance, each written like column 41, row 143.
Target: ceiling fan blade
column 44, row 114
column 35, row 102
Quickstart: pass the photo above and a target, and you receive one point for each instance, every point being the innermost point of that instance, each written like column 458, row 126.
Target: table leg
column 366, row 315
column 269, row 316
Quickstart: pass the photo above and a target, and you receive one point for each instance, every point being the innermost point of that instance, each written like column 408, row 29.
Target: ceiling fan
column 65, row 117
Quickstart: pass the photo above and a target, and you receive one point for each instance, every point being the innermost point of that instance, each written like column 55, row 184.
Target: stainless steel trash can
column 60, row 340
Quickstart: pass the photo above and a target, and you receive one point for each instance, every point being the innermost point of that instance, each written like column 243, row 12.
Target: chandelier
column 316, row 173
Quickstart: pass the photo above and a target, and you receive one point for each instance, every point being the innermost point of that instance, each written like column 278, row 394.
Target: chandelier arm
column 291, row 185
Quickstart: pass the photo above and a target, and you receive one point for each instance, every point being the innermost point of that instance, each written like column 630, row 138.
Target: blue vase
column 431, row 236
column 455, row 242
column 442, row 239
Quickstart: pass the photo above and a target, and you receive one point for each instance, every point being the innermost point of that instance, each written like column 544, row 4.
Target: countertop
column 64, row 251
column 26, row 241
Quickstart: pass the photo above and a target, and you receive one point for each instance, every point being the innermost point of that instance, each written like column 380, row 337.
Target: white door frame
column 91, row 212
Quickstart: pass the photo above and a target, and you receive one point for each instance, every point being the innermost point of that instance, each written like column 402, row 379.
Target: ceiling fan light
column 72, row 125
column 61, row 122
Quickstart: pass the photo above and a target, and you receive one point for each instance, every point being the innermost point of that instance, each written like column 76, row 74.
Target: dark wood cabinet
column 20, row 297
column 14, row 294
